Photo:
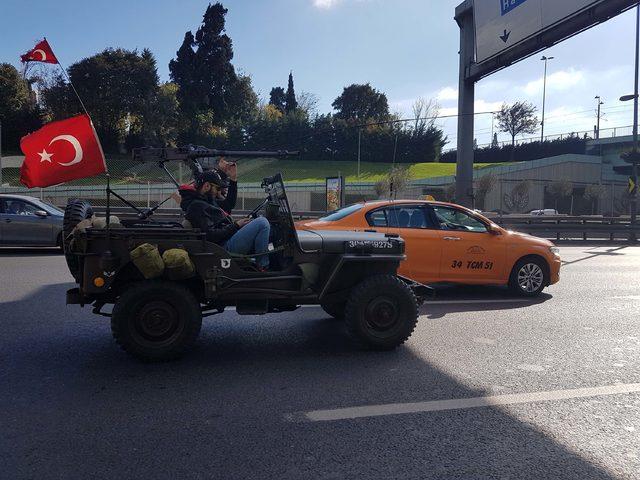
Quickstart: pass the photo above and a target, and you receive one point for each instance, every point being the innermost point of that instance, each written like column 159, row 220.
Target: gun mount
column 192, row 153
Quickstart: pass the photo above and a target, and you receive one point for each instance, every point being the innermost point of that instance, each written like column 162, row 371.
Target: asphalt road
column 274, row 396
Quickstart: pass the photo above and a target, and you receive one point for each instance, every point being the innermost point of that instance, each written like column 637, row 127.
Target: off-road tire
column 75, row 212
column 336, row 310
column 537, row 269
column 156, row 321
column 381, row 313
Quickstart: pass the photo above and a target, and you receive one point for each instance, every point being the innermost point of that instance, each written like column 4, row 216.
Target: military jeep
column 352, row 275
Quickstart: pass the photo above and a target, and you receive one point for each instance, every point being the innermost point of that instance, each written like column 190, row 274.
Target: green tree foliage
column 208, row 83
column 291, row 104
column 278, row 98
column 18, row 111
column 116, row 85
column 361, row 103
column 517, row 119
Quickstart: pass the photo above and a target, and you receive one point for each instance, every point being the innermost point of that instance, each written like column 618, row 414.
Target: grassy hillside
column 124, row 171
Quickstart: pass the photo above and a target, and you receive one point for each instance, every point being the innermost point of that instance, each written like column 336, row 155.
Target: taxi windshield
column 343, row 212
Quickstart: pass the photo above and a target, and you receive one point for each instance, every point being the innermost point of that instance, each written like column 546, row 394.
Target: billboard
column 502, row 24
column 334, row 193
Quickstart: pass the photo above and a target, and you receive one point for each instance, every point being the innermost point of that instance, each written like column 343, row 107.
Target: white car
column 546, row 211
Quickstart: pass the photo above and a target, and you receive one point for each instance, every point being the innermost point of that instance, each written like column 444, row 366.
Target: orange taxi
column 447, row 243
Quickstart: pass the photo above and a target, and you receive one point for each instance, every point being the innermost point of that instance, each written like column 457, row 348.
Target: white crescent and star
column 46, row 157
column 42, row 53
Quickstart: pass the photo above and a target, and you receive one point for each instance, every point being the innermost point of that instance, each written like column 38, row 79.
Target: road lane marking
column 476, row 302
column 367, row 411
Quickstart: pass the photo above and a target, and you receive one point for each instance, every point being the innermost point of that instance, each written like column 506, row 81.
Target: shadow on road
column 74, row 406
column 611, row 252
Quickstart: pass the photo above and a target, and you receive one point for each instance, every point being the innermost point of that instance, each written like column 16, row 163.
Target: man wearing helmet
column 203, row 210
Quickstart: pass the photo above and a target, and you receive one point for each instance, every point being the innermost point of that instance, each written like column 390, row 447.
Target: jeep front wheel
column 381, row 312
column 156, row 321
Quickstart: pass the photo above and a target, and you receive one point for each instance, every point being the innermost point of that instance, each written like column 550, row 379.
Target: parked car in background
column 545, row 211
column 29, row 222
column 447, row 243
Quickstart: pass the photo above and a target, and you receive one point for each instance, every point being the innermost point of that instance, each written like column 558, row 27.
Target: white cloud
column 448, row 93
column 562, row 80
column 325, row 4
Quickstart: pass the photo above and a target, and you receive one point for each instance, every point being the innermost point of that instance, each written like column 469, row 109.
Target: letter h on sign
column 508, row 5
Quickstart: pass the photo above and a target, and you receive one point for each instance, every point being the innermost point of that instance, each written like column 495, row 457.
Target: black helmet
column 214, row 177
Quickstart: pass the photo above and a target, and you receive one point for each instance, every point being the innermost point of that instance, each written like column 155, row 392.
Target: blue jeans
column 252, row 238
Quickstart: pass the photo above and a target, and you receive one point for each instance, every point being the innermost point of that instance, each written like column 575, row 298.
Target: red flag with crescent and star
column 40, row 53
column 60, row 152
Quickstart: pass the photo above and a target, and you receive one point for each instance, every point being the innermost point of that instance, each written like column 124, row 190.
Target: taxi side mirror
column 493, row 231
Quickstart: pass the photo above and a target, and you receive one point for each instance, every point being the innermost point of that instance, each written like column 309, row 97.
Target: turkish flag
column 40, row 53
column 60, row 152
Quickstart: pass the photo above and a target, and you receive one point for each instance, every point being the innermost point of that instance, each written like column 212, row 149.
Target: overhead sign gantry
column 495, row 34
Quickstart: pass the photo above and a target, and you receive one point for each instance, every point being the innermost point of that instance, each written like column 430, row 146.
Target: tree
column 484, row 186
column 291, row 104
column 425, row 114
column 18, row 111
column 593, row 194
column 395, row 181
column 308, row 103
column 115, row 86
column 208, row 83
column 278, row 98
column 560, row 189
column 517, row 119
column 360, row 103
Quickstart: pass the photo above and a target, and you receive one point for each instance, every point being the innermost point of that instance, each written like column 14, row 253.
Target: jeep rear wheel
column 156, row 321
column 75, row 212
column 381, row 312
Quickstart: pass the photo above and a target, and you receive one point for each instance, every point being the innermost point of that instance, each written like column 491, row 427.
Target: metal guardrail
column 558, row 227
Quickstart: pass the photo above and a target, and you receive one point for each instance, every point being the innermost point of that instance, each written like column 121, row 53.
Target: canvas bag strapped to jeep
column 177, row 264
column 148, row 260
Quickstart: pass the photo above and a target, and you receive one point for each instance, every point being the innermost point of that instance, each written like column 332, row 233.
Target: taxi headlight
column 555, row 251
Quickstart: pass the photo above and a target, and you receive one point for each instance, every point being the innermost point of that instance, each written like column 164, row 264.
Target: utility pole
column 544, row 93
column 600, row 103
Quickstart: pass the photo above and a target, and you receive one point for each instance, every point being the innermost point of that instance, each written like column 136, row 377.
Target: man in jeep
column 204, row 212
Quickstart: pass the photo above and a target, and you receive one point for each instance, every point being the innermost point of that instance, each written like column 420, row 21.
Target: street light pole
column 600, row 103
column 544, row 93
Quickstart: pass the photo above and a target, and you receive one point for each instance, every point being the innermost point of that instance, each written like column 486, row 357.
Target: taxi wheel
column 529, row 277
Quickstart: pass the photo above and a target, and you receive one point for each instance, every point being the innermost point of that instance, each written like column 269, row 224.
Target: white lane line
column 476, row 302
column 459, row 404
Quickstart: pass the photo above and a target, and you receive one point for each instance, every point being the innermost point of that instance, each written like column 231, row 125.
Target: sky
column 404, row 48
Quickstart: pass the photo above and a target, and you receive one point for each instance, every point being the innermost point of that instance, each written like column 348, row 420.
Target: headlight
column 555, row 251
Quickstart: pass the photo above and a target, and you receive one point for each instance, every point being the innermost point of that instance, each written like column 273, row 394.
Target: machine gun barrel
column 148, row 154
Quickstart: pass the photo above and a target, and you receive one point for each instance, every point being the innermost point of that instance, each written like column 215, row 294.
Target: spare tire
column 75, row 212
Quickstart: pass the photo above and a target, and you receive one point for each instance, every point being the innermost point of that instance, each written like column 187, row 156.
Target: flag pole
column 64, row 71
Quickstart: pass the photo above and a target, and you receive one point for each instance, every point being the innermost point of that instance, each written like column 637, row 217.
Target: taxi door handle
column 452, row 239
